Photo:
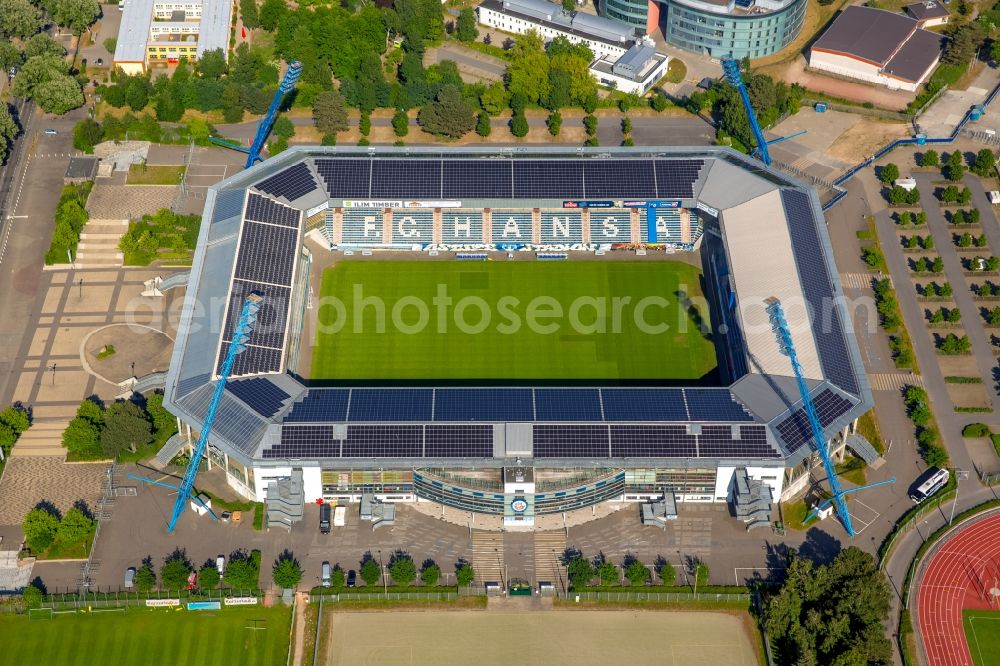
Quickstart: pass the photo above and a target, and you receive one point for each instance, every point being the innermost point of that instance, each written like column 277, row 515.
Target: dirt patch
column 865, row 138
column 958, row 365
column 968, row 395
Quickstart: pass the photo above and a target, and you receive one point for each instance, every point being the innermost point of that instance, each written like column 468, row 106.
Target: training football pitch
column 149, row 637
column 549, row 638
column 982, row 631
column 512, row 320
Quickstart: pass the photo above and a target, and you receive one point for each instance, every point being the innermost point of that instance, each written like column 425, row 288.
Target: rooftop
column 866, row 33
column 582, row 25
column 916, row 56
column 926, row 10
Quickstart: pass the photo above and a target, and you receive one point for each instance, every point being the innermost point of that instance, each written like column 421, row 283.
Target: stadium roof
column 775, row 243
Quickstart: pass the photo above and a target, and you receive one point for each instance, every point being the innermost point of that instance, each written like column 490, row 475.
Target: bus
column 935, row 480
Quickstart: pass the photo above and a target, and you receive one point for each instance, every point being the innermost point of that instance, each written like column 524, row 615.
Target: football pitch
column 149, row 637
column 509, row 321
column 982, row 631
column 539, row 638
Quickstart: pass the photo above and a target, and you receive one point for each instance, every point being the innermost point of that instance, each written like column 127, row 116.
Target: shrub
column 976, row 430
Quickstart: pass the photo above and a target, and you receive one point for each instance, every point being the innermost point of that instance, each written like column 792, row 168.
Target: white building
column 621, row 59
column 164, row 32
column 877, row 46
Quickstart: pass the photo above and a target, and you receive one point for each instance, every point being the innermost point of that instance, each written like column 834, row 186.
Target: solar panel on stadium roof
column 406, row 178
column 388, row 441
column 470, row 179
column 675, row 178
column 260, row 394
column 292, row 183
column 255, row 360
column 750, row 442
column 795, row 429
column 714, row 405
column 320, row 405
column 402, row 404
column 267, row 253
column 655, row 441
column 483, row 404
column 567, row 404
column 619, row 178
column 315, row 441
column 269, row 328
column 458, row 441
column 818, row 290
column 643, row 404
column 548, row 179
column 346, row 178
column 570, row 441
column 262, row 209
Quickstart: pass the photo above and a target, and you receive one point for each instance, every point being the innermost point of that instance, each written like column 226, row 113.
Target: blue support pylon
column 264, row 126
column 731, row 68
column 241, row 334
column 787, row 346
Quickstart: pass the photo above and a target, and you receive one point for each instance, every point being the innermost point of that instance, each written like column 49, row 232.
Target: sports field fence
column 72, row 601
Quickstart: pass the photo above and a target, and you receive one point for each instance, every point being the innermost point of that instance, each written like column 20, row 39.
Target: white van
column 934, row 481
column 129, row 578
column 220, row 564
column 340, row 516
column 326, row 574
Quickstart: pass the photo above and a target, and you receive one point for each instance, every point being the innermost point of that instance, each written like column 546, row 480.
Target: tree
column 125, row 428
column 954, row 315
column 626, row 125
column 16, row 418
column 82, row 438
column 519, row 125
column 666, row 572
column 579, row 570
column 701, row 572
column 889, row 173
column 248, row 10
column 286, row 572
column 86, row 134
column 32, row 597
column 370, row 570
column 41, row 45
column 937, row 266
column 232, row 104
column 636, row 572
column 243, row 571
column 8, row 129
column 483, row 125
column 401, row 568
column 554, row 123
column 76, row 15
column 145, row 577
column 330, row 112
column 212, row 64
column 465, row 574
column 994, row 317
column 568, row 5
column 985, row 163
column 965, row 41
column 590, row 124
column 75, row 526
column 494, row 99
column 929, row 158
column 954, row 170
column 10, row 56
column 400, row 123
column 175, row 570
column 59, row 95
column 528, row 71
column 338, row 578
column 965, row 196
column 449, row 115
column 283, row 127
column 208, row 576
column 935, row 456
column 430, row 574
column 965, row 240
column 850, row 595
column 271, row 13
column 607, row 572
column 19, row 18
column 465, row 27
column 40, row 527
column 137, row 90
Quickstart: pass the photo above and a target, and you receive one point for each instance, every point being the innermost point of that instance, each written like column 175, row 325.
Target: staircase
column 864, row 450
column 751, row 500
column 285, row 501
column 98, row 246
column 549, row 547
column 487, row 556
column 170, row 450
column 43, row 438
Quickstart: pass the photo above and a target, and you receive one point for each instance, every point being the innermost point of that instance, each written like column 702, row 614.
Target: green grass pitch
column 597, row 336
column 982, row 631
column 148, row 637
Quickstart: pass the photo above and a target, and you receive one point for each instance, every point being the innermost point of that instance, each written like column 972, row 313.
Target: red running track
column 960, row 575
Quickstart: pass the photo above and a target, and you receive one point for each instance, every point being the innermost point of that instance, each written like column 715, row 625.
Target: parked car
column 99, row 62
column 352, row 578
column 220, row 564
column 326, row 574
column 324, row 518
column 129, row 578
column 51, row 132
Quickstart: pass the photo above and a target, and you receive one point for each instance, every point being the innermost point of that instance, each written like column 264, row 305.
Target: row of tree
column 582, row 571
column 43, row 72
column 403, row 571
column 20, row 19
column 43, row 526
column 241, row 572
column 918, row 408
column 125, row 425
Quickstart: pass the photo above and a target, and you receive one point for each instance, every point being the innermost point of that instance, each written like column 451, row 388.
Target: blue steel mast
column 241, row 334
column 780, row 326
column 264, row 126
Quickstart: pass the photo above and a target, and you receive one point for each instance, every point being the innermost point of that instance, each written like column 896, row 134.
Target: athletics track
column 962, row 573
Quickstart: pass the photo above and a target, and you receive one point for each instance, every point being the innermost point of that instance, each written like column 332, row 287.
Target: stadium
column 514, row 332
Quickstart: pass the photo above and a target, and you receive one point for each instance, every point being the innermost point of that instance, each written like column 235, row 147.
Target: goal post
column 40, row 614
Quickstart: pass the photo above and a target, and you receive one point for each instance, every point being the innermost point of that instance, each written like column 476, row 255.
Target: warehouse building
column 157, row 33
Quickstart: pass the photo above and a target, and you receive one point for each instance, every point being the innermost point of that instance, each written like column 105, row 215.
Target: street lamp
column 381, row 569
column 80, row 285
column 53, row 369
column 132, row 369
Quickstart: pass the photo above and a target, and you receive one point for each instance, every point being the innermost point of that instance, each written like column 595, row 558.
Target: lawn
column 982, row 631
column 149, row 637
column 510, row 321
column 142, row 174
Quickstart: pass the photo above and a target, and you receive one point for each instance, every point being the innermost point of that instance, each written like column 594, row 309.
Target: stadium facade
column 524, row 450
